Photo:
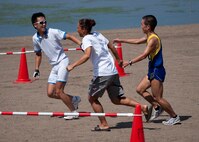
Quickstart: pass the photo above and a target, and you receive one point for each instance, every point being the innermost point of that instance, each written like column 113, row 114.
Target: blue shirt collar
column 45, row 34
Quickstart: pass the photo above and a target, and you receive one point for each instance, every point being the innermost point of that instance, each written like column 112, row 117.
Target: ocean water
column 15, row 16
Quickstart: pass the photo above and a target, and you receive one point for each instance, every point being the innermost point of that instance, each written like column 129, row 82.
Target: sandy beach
column 181, row 87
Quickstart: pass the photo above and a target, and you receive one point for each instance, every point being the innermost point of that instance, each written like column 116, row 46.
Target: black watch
column 130, row 62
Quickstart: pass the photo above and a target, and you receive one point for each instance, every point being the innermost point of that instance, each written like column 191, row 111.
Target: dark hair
column 87, row 24
column 36, row 15
column 150, row 20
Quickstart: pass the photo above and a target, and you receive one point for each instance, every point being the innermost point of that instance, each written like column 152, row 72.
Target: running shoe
column 172, row 121
column 76, row 100
column 71, row 117
column 156, row 113
column 148, row 115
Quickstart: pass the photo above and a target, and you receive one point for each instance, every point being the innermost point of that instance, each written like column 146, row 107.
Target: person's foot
column 99, row 128
column 147, row 112
column 157, row 113
column 172, row 120
column 71, row 117
column 75, row 101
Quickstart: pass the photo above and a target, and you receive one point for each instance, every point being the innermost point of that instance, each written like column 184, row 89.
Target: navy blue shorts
column 157, row 73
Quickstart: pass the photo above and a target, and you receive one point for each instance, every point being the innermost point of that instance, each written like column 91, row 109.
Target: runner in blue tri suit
column 156, row 71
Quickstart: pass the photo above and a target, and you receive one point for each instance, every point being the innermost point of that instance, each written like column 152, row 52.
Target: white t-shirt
column 50, row 45
column 102, row 60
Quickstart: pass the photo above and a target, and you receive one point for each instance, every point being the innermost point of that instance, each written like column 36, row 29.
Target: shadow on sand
column 123, row 125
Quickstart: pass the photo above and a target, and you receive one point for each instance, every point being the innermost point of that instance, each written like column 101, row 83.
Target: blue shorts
column 157, row 73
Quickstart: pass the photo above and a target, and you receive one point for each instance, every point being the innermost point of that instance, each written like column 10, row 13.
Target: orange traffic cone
column 23, row 76
column 119, row 69
column 137, row 133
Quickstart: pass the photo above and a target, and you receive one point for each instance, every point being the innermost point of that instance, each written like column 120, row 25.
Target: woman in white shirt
column 105, row 76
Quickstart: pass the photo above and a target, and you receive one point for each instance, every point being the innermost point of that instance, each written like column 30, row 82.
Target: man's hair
column 150, row 20
column 35, row 15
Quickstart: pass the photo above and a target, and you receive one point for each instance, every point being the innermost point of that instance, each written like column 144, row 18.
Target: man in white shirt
column 48, row 41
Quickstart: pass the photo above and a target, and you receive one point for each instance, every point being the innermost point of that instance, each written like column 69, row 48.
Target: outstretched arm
column 82, row 60
column 74, row 39
column 131, row 41
column 149, row 49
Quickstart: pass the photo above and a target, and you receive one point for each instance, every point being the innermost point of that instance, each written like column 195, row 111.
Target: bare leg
column 97, row 107
column 157, row 91
column 142, row 90
column 57, row 91
column 127, row 102
column 51, row 91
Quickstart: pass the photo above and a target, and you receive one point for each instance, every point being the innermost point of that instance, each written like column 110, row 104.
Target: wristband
column 36, row 73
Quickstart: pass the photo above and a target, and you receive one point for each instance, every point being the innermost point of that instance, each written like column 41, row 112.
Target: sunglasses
column 42, row 22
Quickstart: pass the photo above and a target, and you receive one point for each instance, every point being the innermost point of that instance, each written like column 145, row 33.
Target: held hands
column 36, row 74
column 126, row 63
column 120, row 63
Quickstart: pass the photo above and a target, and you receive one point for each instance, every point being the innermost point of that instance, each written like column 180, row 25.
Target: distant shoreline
column 110, row 29
column 15, row 43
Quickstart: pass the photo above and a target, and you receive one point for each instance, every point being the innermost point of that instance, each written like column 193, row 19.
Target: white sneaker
column 172, row 121
column 76, row 100
column 156, row 113
column 71, row 117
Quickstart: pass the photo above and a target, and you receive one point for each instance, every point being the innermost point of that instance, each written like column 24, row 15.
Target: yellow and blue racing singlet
column 156, row 69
